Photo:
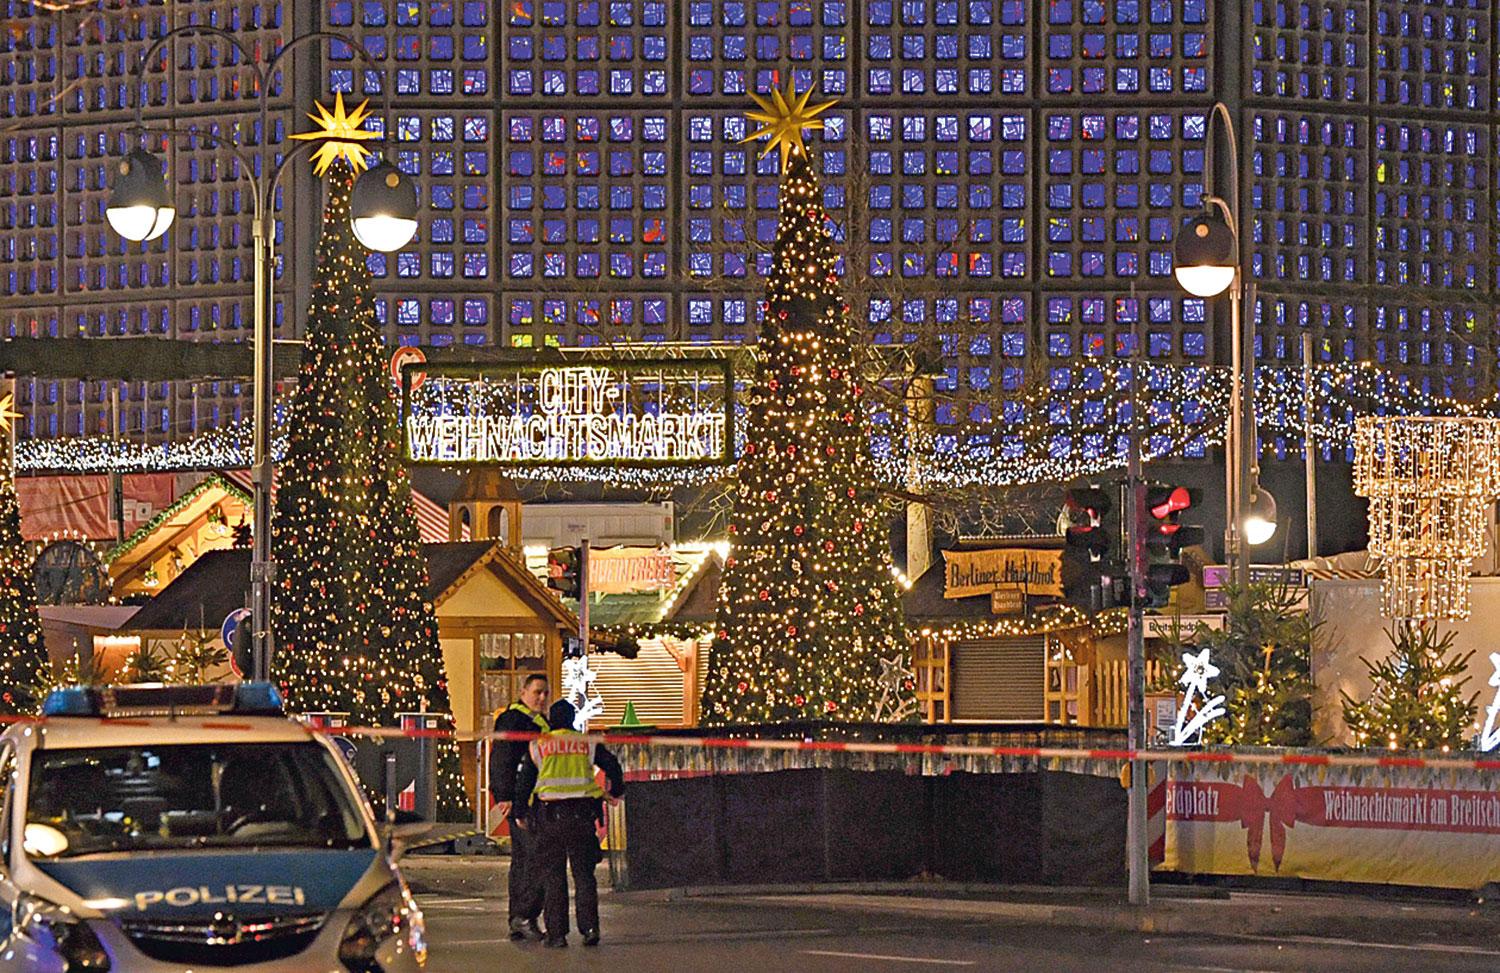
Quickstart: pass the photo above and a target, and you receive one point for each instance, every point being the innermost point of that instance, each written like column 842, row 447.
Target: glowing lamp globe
column 383, row 208
column 1204, row 259
column 1260, row 519
column 141, row 207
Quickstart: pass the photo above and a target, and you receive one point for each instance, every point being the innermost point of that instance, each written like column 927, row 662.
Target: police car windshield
column 176, row 797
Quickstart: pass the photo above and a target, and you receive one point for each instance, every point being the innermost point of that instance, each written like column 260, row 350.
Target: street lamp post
column 383, row 209
column 1206, row 262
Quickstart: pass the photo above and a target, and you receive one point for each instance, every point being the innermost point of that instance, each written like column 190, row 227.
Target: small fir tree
column 809, row 607
column 1264, row 657
column 25, row 673
column 354, row 630
column 1417, row 700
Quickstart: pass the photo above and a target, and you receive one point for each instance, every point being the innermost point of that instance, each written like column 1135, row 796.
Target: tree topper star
column 7, row 410
column 341, row 133
column 783, row 117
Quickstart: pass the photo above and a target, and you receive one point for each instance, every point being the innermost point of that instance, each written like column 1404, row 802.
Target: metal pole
column 1309, row 447
column 261, row 569
column 1245, row 439
column 1133, row 513
column 8, row 386
column 583, row 594
column 1232, row 509
column 116, row 478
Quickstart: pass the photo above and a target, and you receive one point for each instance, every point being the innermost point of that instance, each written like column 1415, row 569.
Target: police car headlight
column 390, row 914
column 54, row 927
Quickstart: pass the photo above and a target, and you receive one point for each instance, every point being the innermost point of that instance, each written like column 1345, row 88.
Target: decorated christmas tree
column 810, row 623
column 1417, row 699
column 25, row 673
column 354, row 630
column 1264, row 656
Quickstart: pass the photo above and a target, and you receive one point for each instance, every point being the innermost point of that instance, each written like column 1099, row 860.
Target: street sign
column 232, row 621
column 408, row 355
column 1160, row 626
column 1217, row 575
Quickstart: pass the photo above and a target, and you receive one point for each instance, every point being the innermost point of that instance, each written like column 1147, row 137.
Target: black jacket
column 506, row 756
column 614, row 775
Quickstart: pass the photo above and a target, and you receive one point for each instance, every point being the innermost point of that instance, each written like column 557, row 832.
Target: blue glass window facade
column 1009, row 173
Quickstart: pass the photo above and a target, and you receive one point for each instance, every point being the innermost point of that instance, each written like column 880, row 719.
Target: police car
column 147, row 829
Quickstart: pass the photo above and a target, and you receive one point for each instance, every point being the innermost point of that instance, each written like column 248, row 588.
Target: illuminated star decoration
column 342, row 134
column 896, row 701
column 783, row 117
column 1490, row 738
column 1197, row 709
column 7, row 412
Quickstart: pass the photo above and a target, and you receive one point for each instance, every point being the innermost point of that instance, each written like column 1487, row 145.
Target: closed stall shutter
column 998, row 679
column 652, row 681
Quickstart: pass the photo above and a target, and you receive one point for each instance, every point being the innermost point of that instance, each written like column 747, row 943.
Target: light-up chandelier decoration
column 1430, row 481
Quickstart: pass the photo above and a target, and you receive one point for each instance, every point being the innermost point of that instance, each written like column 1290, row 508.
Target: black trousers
column 566, row 841
column 525, row 876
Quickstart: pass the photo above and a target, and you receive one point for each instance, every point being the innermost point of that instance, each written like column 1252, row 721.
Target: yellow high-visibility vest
column 565, row 766
column 537, row 718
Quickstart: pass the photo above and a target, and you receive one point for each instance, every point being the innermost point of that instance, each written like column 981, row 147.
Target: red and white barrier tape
column 974, row 750
column 897, row 749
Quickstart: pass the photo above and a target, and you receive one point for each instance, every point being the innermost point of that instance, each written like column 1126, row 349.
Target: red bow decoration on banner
column 1255, row 806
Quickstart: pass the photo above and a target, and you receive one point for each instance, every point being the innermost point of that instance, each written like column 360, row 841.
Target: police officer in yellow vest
column 564, row 800
column 506, row 758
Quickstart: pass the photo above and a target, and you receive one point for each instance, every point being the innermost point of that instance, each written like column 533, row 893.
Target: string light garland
column 1429, row 481
column 225, row 448
column 808, row 607
column 1343, row 391
column 176, row 507
column 1045, row 620
column 1054, row 441
column 355, row 632
column 25, row 671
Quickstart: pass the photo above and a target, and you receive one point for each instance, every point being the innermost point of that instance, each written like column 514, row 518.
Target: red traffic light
column 1166, row 501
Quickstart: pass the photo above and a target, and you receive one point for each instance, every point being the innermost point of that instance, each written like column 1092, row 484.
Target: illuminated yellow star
column 341, row 134
column 783, row 117
column 6, row 412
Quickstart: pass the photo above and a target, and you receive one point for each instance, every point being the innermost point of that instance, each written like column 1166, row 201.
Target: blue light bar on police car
column 246, row 699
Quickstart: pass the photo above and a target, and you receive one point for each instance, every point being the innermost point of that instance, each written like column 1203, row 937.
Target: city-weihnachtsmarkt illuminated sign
column 630, row 413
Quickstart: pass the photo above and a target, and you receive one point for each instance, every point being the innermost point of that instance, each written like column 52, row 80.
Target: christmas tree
column 808, row 607
column 25, row 672
column 1417, row 699
column 1264, row 654
column 354, row 631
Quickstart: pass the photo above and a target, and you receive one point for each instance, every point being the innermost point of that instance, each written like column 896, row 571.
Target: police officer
column 522, row 716
column 564, row 799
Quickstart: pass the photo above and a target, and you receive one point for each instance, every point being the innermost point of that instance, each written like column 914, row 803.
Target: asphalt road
column 748, row 935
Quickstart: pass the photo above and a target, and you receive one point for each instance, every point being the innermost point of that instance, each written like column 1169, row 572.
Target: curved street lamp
column 383, row 208
column 141, row 207
column 1260, row 517
column 1206, row 257
column 1206, row 263
column 383, row 213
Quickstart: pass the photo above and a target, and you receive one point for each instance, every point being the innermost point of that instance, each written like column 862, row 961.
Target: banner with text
column 669, row 412
column 1396, row 826
column 80, row 506
column 627, row 570
column 981, row 572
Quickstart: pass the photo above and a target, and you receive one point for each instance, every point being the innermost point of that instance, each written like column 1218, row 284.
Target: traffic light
column 562, row 571
column 1163, row 536
column 1087, row 569
column 1082, row 520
